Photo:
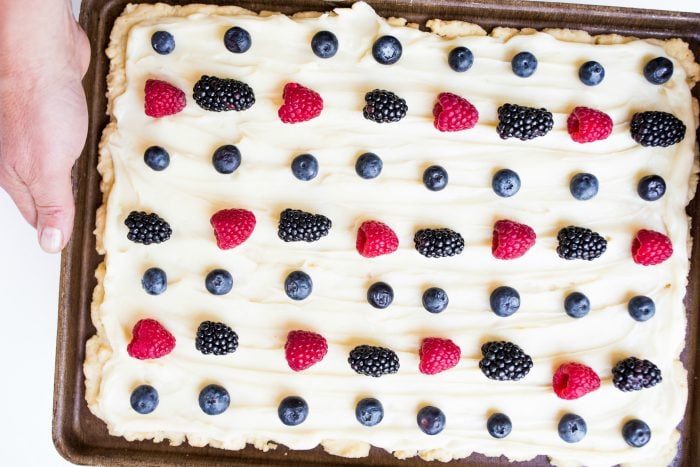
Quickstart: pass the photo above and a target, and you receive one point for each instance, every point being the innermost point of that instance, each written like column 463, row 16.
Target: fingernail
column 51, row 240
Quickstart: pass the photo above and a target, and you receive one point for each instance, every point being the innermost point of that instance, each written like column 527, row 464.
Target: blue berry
column 387, row 50
column 435, row 178
column 324, row 44
column 237, row 40
column 144, row 399
column 651, row 187
column 499, row 425
column 293, row 410
column 369, row 166
column 154, row 281
column 504, row 301
column 226, row 159
column 460, row 59
column 636, row 433
column 156, row 158
column 219, row 282
column 380, row 295
column 298, row 285
column 641, row 308
column 431, row 420
column 583, row 186
column 577, row 305
column 305, row 167
column 591, row 73
column 214, row 400
column 435, row 300
column 524, row 64
column 369, row 412
column 572, row 428
column 658, row 70
column 163, row 42
column 505, row 183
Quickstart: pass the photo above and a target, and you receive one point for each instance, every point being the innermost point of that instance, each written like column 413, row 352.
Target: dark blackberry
column 580, row 243
column 633, row 374
column 219, row 95
column 656, row 129
column 147, row 228
column 300, row 226
column 437, row 243
column 373, row 361
column 504, row 361
column 384, row 106
column 515, row 121
column 216, row 338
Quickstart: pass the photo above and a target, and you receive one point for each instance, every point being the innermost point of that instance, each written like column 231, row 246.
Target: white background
column 29, row 295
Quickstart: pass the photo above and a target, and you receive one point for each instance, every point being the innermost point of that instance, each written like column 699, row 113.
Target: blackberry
column 147, row 228
column 633, row 374
column 580, row 243
column 216, row 338
column 504, row 361
column 438, row 243
column 384, row 106
column 656, row 129
column 515, row 121
column 373, row 361
column 219, row 95
column 301, row 226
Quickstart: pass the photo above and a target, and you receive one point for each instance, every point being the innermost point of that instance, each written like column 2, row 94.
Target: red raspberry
column 375, row 238
column 162, row 99
column 574, row 380
column 454, row 113
column 437, row 355
column 511, row 240
column 300, row 104
column 304, row 349
column 586, row 125
column 150, row 340
column 650, row 247
column 232, row 227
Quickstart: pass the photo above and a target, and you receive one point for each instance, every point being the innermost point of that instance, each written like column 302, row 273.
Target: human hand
column 43, row 114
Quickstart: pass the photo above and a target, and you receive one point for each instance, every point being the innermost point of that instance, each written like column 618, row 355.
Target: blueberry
column 435, row 300
column 577, row 305
column 324, row 44
column 369, row 412
column 658, row 70
column 572, row 428
column 641, row 308
column 219, row 282
column 583, row 186
column 163, row 42
column 144, row 399
column 214, row 400
column 387, row 50
column 368, row 166
column 460, row 59
column 380, row 295
column 237, row 40
column 651, row 187
column 524, row 64
column 431, row 420
column 499, row 425
column 505, row 183
column 298, row 285
column 591, row 73
column 156, row 158
column 636, row 433
column 505, row 301
column 305, row 167
column 435, row 178
column 226, row 159
column 293, row 410
column 154, row 281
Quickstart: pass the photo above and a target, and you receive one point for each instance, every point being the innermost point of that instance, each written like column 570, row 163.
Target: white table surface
column 29, row 291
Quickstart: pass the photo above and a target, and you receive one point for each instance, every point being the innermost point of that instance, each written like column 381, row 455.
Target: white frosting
column 257, row 377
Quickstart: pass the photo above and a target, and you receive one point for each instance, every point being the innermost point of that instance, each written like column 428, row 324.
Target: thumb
column 53, row 199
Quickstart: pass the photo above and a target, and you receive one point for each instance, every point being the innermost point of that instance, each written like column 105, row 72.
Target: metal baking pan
column 83, row 439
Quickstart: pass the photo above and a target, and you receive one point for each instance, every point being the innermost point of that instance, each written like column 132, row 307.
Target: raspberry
column 438, row 355
column 375, row 238
column 150, row 340
column 586, row 125
column 162, row 99
column 300, row 104
column 511, row 240
column 650, row 247
column 304, row 349
column 574, row 380
column 232, row 227
column 454, row 113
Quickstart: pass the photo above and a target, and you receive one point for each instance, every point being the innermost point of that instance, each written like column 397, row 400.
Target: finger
column 22, row 198
column 53, row 199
